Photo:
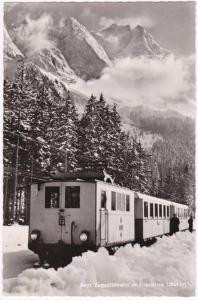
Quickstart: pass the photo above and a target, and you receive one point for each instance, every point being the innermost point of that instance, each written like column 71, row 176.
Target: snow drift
column 167, row 268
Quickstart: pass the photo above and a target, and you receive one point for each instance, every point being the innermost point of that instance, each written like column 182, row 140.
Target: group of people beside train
column 174, row 224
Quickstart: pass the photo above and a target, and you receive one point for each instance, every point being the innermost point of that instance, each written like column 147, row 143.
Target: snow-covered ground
column 167, row 268
column 16, row 256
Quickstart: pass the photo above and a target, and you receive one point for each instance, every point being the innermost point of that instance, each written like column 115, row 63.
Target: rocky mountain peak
column 139, row 31
column 10, row 49
column 81, row 50
column 116, row 29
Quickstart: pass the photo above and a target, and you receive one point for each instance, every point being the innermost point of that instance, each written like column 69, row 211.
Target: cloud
column 33, row 34
column 141, row 20
column 86, row 13
column 159, row 84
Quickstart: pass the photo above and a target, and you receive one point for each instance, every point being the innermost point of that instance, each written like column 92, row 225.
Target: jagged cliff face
column 122, row 41
column 52, row 61
column 84, row 54
column 10, row 50
column 142, row 43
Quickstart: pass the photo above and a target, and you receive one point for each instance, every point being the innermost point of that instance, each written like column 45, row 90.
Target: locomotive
column 73, row 213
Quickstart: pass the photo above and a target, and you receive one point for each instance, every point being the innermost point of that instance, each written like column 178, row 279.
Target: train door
column 103, row 219
column 70, row 212
column 50, row 214
column 138, row 216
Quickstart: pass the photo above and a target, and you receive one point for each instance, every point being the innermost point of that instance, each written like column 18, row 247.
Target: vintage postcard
column 99, row 149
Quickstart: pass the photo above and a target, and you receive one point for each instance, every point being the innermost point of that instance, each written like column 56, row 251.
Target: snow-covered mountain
column 10, row 50
column 81, row 50
column 51, row 60
column 142, row 43
column 114, row 38
column 122, row 41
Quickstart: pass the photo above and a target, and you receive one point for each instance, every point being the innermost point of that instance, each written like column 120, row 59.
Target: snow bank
column 15, row 238
column 167, row 268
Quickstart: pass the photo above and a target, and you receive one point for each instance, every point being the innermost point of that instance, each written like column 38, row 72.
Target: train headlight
column 35, row 234
column 83, row 237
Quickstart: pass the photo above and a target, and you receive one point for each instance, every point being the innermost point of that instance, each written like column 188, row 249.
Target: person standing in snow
column 174, row 224
column 190, row 222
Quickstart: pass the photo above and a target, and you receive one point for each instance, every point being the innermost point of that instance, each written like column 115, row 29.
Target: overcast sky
column 171, row 23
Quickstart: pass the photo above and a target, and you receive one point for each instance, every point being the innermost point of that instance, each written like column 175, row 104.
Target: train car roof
column 152, row 198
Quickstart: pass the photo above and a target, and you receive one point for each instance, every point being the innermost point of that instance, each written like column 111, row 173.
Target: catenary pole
column 14, row 204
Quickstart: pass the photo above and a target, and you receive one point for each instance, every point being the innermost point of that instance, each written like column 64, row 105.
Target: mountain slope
column 142, row 43
column 81, row 50
column 51, row 60
column 122, row 41
column 10, row 50
column 114, row 38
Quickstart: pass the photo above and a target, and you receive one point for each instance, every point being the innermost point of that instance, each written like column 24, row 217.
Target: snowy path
column 167, row 268
column 16, row 257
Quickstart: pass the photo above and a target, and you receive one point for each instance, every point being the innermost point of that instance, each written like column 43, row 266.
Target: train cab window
column 164, row 211
column 52, row 194
column 156, row 210
column 151, row 210
column 160, row 210
column 113, row 200
column 168, row 212
column 127, row 203
column 103, row 199
column 72, row 197
column 146, row 209
column 123, row 202
column 119, row 199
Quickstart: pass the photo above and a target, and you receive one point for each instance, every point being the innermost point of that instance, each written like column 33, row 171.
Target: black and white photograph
column 98, row 148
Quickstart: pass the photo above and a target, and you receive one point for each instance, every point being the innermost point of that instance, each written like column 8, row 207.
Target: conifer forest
column 45, row 134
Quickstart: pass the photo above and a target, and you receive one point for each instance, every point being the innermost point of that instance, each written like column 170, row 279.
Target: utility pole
column 66, row 167
column 14, row 204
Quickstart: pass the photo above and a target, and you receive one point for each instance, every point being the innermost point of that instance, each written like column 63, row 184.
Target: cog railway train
column 72, row 214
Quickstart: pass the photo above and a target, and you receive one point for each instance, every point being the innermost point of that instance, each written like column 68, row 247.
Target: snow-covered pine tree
column 65, row 134
column 88, row 137
column 17, row 100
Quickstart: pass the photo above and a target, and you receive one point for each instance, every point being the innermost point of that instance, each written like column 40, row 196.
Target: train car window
column 146, row 209
column 164, row 211
column 103, row 199
column 119, row 199
column 127, row 203
column 72, row 197
column 160, row 210
column 123, row 202
column 151, row 210
column 52, row 194
column 167, row 211
column 113, row 200
column 156, row 210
